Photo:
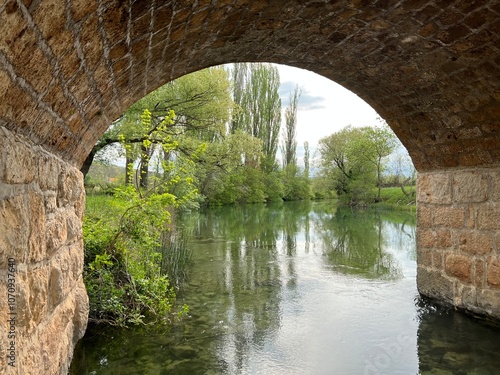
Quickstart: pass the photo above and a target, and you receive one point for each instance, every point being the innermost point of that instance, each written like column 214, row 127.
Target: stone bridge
column 68, row 68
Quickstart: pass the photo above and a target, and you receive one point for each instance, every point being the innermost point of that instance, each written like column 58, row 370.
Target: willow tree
column 202, row 104
column 258, row 103
column 354, row 160
column 373, row 147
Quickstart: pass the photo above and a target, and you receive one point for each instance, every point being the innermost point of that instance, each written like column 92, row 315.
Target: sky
column 324, row 106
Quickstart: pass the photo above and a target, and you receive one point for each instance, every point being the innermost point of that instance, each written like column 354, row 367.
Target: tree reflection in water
column 302, row 287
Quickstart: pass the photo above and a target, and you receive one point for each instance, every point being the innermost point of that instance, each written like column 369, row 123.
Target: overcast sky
column 324, row 106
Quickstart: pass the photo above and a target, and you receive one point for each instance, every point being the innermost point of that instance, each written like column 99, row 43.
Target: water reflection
column 297, row 288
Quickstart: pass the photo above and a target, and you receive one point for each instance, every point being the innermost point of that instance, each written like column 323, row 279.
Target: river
column 299, row 288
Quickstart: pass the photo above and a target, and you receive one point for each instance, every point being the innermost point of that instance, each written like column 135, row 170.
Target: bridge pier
column 43, row 302
column 458, row 238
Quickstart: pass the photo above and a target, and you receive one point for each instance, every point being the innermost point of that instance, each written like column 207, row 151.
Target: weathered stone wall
column 41, row 257
column 458, row 238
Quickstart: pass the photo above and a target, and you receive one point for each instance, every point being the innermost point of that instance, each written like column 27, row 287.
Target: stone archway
column 431, row 68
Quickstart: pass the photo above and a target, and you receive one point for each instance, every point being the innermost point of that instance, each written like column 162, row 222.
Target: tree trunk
column 144, row 167
column 88, row 162
column 129, row 167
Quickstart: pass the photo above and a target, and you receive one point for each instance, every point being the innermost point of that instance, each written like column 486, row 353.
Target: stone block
column 50, row 203
column 434, row 188
column 424, row 257
column 37, row 295
column 424, row 218
column 56, row 233
column 479, row 273
column 56, row 287
column 57, row 336
column 81, row 310
column 74, row 227
column 488, row 216
column 23, row 311
column 470, row 187
column 475, row 242
column 70, row 187
column 36, row 240
column 493, row 273
column 20, row 161
column 434, row 284
column 434, row 238
column 48, row 171
column 76, row 260
column 66, row 269
column 437, row 259
column 450, row 217
column 495, row 186
column 489, row 302
column 458, row 266
column 469, row 298
column 14, row 229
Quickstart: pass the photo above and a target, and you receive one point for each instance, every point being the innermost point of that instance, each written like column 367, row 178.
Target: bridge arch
column 68, row 68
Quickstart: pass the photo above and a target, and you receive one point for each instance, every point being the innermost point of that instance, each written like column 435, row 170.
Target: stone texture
column 489, row 302
column 449, row 217
column 488, row 216
column 460, row 244
column 493, row 275
column 21, row 169
column 475, row 243
column 41, row 211
column 459, row 266
column 495, row 187
column 14, row 226
column 431, row 70
column 434, row 284
column 434, row 238
column 434, row 188
column 470, row 187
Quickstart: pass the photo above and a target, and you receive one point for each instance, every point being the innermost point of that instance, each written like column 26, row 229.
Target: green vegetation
column 353, row 163
column 125, row 243
column 209, row 138
column 123, row 268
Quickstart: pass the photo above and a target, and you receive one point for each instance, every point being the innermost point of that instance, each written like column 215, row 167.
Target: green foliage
column 353, row 161
column 296, row 186
column 118, row 293
column 256, row 95
column 123, row 267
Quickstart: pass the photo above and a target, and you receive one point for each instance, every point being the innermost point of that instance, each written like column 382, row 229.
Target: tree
column 202, row 103
column 258, row 112
column 373, row 146
column 306, row 159
column 289, row 136
column 351, row 176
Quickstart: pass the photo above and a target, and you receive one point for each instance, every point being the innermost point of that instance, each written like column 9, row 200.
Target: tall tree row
column 258, row 106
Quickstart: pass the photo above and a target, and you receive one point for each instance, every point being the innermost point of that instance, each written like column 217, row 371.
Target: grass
column 393, row 197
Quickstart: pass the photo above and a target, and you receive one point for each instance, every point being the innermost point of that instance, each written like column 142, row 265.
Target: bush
column 122, row 269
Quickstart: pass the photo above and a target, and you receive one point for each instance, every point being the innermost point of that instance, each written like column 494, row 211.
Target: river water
column 299, row 288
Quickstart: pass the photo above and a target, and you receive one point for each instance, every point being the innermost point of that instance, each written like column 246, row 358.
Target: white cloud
column 307, row 102
column 324, row 106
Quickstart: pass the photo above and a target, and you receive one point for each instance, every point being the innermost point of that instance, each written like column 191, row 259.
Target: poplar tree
column 289, row 136
column 258, row 106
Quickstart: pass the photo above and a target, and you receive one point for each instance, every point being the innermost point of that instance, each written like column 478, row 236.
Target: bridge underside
column 68, row 68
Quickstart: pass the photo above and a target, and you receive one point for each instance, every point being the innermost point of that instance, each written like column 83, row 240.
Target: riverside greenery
column 123, row 232
column 176, row 162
